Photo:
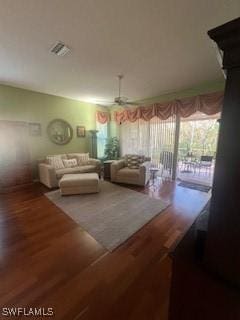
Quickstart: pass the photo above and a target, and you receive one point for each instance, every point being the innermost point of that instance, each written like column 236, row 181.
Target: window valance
column 207, row 103
column 102, row 117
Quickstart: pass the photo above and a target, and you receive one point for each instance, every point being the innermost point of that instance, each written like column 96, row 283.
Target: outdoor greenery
column 198, row 137
column 112, row 149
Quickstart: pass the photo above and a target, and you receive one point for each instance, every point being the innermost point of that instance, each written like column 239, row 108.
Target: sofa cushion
column 88, row 168
column 62, row 156
column 82, row 158
column 61, row 172
column 78, row 169
column 56, row 161
column 128, row 173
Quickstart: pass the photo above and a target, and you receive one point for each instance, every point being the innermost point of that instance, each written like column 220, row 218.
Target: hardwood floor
column 48, row 260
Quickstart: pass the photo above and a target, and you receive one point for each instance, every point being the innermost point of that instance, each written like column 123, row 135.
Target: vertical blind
column 154, row 138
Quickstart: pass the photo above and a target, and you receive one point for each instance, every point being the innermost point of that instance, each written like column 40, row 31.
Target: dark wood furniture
column 15, row 166
column 197, row 294
column 107, row 169
column 209, row 288
column 223, row 238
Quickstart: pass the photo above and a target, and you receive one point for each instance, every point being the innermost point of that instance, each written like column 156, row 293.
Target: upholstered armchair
column 121, row 173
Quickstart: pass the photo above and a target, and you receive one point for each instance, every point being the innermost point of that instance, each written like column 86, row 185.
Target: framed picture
column 35, row 129
column 81, row 132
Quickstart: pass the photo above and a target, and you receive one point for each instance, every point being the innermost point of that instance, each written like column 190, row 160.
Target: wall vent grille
column 60, row 49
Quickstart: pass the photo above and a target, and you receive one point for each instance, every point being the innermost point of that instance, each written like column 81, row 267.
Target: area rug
column 195, row 186
column 112, row 215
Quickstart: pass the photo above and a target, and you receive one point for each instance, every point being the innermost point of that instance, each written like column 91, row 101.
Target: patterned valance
column 206, row 103
column 102, row 117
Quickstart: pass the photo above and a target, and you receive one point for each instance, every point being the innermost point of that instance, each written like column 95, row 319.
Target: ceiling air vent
column 60, row 49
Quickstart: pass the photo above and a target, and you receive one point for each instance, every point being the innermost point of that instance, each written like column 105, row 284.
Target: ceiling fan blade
column 106, row 104
column 103, row 101
column 132, row 103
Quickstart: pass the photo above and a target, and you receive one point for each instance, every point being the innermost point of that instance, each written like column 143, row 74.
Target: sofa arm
column 145, row 172
column 47, row 175
column 115, row 166
column 145, row 166
column 96, row 163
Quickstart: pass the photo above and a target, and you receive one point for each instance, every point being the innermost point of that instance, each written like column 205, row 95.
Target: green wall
column 24, row 105
column 205, row 87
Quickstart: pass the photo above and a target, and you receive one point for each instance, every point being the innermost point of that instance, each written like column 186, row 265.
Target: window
column 102, row 136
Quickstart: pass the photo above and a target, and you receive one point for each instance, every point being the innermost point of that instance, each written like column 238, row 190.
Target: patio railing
column 195, row 153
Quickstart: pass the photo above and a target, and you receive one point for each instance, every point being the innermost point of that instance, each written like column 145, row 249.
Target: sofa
column 53, row 167
column 121, row 172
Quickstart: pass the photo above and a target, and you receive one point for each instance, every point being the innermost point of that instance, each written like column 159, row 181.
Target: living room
column 105, row 205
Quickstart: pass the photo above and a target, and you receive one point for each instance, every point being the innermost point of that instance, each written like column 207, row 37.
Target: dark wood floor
column 48, row 260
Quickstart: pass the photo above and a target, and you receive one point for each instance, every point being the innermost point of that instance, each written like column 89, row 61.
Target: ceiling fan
column 119, row 100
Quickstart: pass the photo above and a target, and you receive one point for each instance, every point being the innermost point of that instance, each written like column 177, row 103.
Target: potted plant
column 111, row 151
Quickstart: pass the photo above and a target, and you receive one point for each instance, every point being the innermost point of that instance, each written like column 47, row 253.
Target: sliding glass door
column 197, row 148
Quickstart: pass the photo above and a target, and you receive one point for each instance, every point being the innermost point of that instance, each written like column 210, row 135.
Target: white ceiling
column 159, row 45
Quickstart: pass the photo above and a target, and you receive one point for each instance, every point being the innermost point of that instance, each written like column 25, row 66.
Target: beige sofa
column 122, row 174
column 50, row 176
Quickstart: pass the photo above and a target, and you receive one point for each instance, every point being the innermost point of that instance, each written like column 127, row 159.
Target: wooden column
column 223, row 240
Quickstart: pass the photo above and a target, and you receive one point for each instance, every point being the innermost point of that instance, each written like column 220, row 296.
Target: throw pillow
column 134, row 161
column 70, row 163
column 56, row 162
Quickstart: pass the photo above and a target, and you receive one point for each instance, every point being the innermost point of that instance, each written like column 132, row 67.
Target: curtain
column 102, row 117
column 206, row 103
column 154, row 138
column 134, row 138
column 209, row 104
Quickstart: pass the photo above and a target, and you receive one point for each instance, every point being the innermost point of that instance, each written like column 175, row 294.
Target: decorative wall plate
column 60, row 131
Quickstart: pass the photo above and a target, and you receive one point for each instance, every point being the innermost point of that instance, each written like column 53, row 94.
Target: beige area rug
column 111, row 216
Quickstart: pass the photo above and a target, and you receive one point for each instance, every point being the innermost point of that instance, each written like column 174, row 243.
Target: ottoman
column 79, row 183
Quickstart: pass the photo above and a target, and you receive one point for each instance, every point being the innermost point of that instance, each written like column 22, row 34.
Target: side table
column 107, row 169
column 153, row 172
